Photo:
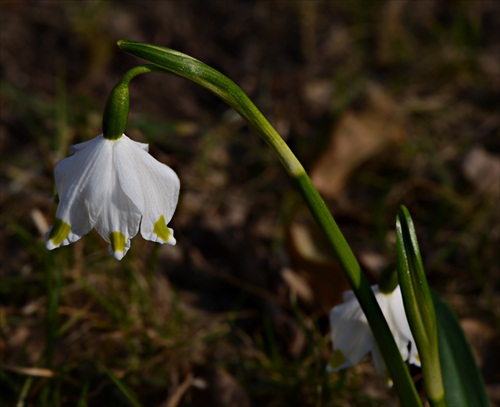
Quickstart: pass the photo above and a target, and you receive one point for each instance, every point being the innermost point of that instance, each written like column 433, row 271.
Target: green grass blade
column 125, row 391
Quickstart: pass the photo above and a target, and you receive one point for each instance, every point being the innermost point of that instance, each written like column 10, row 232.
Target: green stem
column 196, row 71
column 398, row 371
column 115, row 117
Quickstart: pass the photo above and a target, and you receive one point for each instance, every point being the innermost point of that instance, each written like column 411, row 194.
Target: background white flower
column 113, row 186
column 353, row 339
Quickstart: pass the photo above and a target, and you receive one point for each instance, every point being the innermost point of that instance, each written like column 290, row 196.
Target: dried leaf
column 358, row 137
column 315, row 269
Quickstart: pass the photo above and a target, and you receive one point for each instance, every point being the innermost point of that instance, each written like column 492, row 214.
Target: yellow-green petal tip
column 58, row 234
column 162, row 231
column 118, row 242
column 337, row 359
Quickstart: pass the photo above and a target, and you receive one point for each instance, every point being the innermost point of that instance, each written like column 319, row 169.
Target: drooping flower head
column 113, row 186
column 353, row 339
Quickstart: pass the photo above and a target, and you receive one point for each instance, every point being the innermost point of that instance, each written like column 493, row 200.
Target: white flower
column 352, row 337
column 113, row 186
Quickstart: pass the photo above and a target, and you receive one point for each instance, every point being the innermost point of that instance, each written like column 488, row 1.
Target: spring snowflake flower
column 352, row 337
column 113, row 186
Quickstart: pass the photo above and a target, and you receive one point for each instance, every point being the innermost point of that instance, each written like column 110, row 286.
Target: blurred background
column 385, row 103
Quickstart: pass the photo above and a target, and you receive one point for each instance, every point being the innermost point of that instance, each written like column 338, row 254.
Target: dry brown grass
column 211, row 321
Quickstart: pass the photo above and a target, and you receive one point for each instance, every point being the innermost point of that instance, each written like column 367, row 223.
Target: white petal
column 350, row 332
column 352, row 335
column 81, row 146
column 144, row 146
column 152, row 186
column 414, row 358
column 348, row 296
column 396, row 313
column 396, row 318
column 378, row 362
column 118, row 214
column 82, row 182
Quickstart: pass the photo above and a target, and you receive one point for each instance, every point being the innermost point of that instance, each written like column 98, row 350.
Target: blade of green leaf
column 418, row 304
column 462, row 379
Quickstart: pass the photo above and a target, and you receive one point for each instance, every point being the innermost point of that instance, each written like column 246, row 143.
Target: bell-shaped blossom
column 353, row 339
column 114, row 186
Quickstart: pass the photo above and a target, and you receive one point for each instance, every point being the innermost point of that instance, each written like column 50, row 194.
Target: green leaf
column 418, row 304
column 411, row 275
column 462, row 379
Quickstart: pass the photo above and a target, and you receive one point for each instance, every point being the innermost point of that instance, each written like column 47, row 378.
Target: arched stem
column 202, row 74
